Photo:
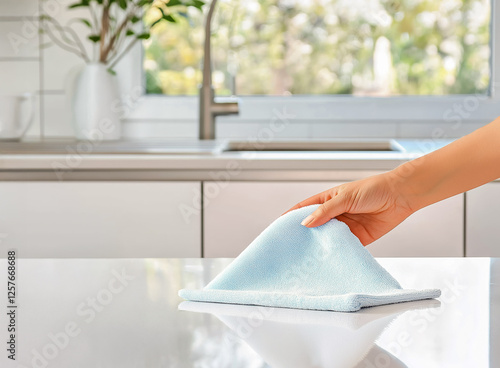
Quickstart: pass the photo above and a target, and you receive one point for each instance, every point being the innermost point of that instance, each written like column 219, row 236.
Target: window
column 328, row 61
column 328, row 47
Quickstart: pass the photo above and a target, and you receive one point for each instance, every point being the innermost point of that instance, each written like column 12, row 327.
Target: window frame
column 454, row 109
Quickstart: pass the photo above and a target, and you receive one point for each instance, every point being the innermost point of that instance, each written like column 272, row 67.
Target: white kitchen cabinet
column 99, row 219
column 482, row 221
column 236, row 212
column 434, row 231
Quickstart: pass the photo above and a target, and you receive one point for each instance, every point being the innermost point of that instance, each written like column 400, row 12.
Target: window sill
column 316, row 117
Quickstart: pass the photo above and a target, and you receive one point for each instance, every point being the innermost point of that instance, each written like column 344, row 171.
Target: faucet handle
column 226, row 106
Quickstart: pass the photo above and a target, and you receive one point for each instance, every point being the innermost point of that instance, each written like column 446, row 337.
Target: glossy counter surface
column 198, row 156
column 126, row 313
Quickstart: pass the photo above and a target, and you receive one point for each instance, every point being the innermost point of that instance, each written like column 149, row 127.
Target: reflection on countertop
column 126, row 313
column 303, row 338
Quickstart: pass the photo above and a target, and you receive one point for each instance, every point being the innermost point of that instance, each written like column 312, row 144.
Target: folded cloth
column 292, row 266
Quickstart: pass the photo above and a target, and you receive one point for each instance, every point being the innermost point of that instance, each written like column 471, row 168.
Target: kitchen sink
column 145, row 146
column 195, row 147
column 388, row 145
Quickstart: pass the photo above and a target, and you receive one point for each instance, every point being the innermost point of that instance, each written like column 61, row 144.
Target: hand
column 370, row 207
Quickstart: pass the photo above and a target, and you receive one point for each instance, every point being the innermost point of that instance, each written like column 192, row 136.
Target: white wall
column 29, row 62
column 24, row 66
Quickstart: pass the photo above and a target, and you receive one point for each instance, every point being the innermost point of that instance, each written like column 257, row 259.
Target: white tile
column 57, row 116
column 10, row 8
column 269, row 130
column 59, row 63
column 34, row 130
column 165, row 107
column 19, row 77
column 30, row 110
column 353, row 130
column 129, row 74
column 19, row 38
column 437, row 130
column 159, row 129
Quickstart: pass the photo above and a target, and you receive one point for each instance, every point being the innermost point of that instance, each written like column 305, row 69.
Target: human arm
column 373, row 206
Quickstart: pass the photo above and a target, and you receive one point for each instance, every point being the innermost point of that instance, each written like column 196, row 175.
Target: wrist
column 406, row 180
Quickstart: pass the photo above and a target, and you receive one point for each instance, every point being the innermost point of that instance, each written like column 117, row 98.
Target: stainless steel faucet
column 209, row 109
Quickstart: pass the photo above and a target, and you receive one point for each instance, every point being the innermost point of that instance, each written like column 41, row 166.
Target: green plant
column 114, row 26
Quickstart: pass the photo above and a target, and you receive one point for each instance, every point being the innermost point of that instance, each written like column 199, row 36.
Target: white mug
column 16, row 115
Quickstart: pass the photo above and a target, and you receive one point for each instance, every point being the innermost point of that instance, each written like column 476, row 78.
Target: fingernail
column 307, row 220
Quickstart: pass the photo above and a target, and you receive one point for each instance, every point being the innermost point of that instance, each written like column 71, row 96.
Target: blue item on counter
column 292, row 266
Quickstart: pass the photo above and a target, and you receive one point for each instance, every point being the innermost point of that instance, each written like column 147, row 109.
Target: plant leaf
column 174, row 3
column 94, row 38
column 156, row 22
column 135, row 19
column 123, row 4
column 143, row 36
column 198, row 4
column 129, row 32
column 80, row 4
column 169, row 18
column 73, row 6
column 86, row 22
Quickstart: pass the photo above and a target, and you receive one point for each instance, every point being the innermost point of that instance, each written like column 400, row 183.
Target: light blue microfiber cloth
column 292, row 266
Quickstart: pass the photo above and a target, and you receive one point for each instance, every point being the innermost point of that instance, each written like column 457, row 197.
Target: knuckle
column 321, row 211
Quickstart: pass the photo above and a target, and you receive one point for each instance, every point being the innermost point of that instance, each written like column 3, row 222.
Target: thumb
column 324, row 213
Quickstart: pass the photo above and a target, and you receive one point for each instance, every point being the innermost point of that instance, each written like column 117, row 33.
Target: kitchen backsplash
column 27, row 65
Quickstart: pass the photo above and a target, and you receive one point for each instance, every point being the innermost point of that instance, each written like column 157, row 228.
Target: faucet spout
column 209, row 109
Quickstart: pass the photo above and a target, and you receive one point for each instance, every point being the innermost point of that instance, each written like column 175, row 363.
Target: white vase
column 96, row 104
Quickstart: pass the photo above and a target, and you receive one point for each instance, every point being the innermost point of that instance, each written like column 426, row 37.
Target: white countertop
column 125, row 313
column 196, row 166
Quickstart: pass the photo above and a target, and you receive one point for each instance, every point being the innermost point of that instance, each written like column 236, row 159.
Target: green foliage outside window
column 360, row 47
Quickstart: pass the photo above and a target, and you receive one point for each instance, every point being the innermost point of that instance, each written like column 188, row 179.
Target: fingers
column 357, row 229
column 315, row 199
column 328, row 210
